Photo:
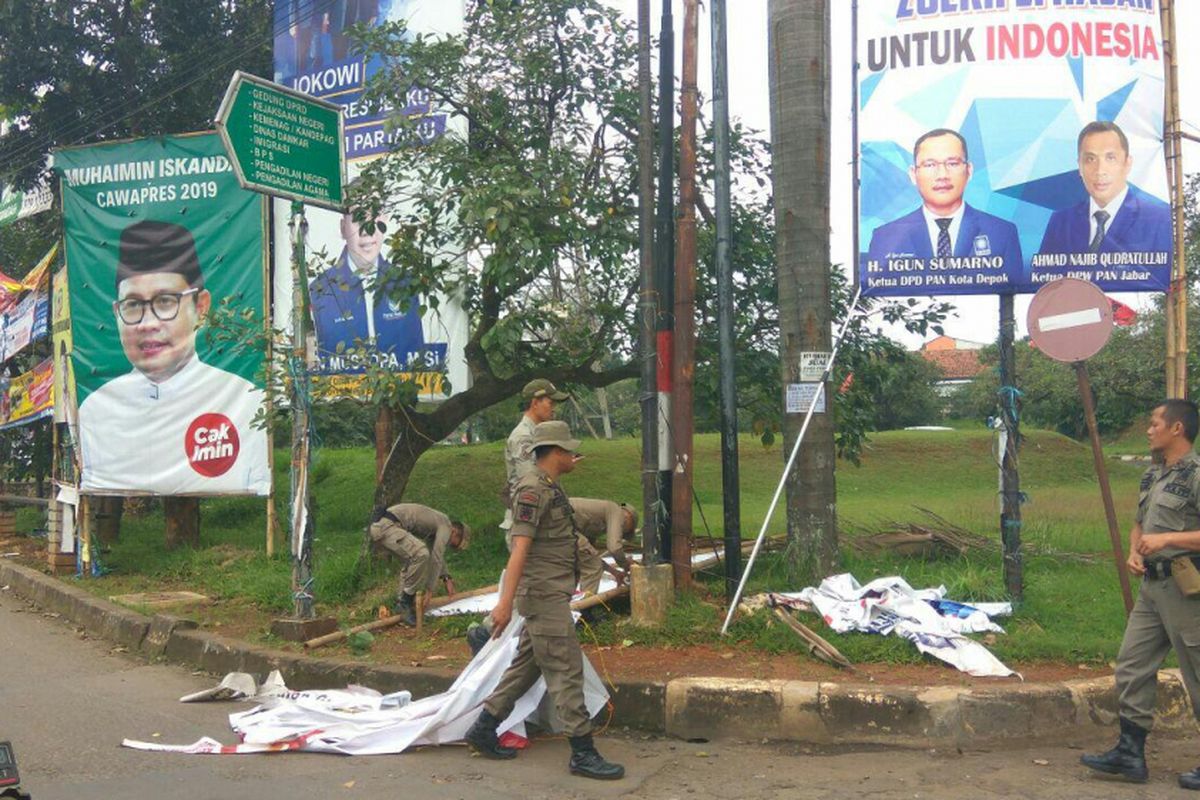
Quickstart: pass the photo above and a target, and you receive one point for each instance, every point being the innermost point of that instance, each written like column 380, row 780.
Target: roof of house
column 955, row 364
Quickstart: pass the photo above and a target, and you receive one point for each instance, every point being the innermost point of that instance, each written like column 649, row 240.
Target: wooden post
column 1089, row 413
column 684, row 355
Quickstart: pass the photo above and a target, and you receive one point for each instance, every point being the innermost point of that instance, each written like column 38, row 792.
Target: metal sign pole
column 301, row 455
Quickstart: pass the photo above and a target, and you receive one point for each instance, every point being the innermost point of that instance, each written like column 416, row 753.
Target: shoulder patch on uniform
column 526, row 512
column 528, row 497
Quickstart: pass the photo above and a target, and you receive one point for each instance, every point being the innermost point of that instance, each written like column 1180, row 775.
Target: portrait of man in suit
column 1117, row 217
column 354, row 305
column 945, row 225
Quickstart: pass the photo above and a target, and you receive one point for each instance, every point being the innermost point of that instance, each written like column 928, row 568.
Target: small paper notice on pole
column 800, row 397
column 812, row 366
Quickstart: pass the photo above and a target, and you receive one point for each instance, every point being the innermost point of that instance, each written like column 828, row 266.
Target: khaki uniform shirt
column 1169, row 501
column 542, row 512
column 430, row 525
column 596, row 518
column 518, row 452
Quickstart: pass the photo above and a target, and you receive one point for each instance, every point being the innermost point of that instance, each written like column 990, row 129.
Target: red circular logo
column 211, row 444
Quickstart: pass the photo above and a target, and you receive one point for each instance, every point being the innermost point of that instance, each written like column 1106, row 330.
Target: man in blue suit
column 354, row 306
column 1116, row 217
column 944, row 225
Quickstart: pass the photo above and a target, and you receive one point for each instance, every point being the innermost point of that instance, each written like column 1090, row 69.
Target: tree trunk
column 385, row 435
column 415, row 432
column 799, row 88
column 183, row 521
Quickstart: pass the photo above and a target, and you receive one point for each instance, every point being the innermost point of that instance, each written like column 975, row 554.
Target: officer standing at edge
column 1164, row 547
column 541, row 575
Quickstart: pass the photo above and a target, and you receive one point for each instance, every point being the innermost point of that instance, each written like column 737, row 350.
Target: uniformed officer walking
column 418, row 535
column 1164, row 547
column 541, row 575
column 540, row 397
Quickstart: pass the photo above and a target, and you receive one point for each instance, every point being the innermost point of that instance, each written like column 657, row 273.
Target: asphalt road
column 67, row 701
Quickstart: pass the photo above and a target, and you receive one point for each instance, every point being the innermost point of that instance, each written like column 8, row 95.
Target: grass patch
column 1072, row 610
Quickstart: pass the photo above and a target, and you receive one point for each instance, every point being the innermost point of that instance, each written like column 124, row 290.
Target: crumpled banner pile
column 889, row 606
column 361, row 721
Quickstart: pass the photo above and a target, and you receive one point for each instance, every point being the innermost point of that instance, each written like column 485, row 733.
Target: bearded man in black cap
column 173, row 424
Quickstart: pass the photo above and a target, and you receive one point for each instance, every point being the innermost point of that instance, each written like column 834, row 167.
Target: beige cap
column 555, row 432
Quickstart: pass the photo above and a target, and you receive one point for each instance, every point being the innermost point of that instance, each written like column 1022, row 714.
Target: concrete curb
column 688, row 708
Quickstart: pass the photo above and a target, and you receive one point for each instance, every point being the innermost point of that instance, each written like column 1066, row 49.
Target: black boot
column 477, row 637
column 1190, row 780
column 587, row 762
column 406, row 606
column 1128, row 758
column 483, row 740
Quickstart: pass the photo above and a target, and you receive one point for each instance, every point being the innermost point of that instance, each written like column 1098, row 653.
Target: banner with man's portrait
column 165, row 257
column 1005, row 145
column 358, row 321
column 28, row 397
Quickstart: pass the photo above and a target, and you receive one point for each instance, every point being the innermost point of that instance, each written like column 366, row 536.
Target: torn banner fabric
column 925, row 618
column 359, row 721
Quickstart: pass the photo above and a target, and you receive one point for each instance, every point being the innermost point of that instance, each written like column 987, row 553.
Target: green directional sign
column 283, row 142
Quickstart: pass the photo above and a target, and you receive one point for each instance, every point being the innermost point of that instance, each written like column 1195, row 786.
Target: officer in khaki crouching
column 541, row 575
column 418, row 535
column 1164, row 548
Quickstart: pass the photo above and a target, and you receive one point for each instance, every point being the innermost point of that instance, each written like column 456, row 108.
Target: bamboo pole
column 388, row 622
column 1177, row 294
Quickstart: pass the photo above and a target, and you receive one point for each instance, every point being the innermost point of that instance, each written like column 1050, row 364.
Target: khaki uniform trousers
column 413, row 553
column 1162, row 619
column 547, row 647
column 591, row 566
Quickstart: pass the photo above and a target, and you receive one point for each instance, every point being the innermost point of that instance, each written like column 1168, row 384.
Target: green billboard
column 165, row 261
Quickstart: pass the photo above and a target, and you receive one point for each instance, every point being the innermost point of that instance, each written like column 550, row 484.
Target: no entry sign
column 1070, row 320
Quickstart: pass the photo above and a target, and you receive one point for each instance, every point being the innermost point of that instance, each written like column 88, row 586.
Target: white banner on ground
column 889, row 606
column 357, row 721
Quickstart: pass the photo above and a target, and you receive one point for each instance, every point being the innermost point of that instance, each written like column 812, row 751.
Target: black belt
column 1157, row 570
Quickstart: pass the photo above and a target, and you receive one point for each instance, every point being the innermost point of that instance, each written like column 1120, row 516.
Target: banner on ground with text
column 357, row 325
column 1007, row 144
column 164, row 258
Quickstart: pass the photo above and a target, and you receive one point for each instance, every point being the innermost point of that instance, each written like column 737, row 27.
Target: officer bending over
column 418, row 535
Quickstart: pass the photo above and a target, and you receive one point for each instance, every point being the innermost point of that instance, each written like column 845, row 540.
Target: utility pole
column 1177, row 294
column 664, row 277
column 684, row 356
column 648, row 308
column 1010, row 476
column 800, row 140
column 729, row 428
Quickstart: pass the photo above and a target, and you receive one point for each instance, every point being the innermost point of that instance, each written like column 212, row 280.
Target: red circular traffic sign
column 1070, row 320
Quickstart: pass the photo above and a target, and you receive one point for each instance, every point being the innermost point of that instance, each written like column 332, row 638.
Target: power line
column 64, row 139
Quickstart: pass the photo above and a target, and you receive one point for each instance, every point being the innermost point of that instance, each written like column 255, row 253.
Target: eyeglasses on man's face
column 164, row 306
column 949, row 164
